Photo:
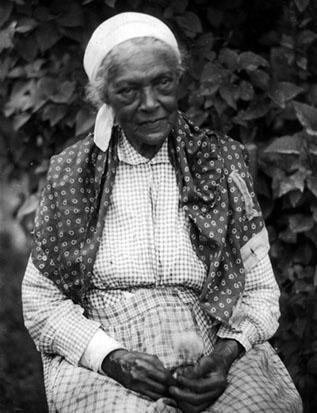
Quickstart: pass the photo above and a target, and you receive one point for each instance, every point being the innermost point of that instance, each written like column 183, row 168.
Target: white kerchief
column 110, row 33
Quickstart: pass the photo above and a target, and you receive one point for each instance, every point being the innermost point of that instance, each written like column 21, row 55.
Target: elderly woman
column 149, row 288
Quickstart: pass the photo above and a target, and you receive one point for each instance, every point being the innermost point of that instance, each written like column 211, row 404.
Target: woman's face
column 142, row 90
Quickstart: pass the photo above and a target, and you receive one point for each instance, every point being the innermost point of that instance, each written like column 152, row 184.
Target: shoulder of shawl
column 234, row 154
column 70, row 160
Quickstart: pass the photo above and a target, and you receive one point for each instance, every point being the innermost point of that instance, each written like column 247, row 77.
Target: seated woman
column 149, row 288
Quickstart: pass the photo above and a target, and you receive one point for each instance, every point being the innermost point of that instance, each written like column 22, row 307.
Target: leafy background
column 252, row 74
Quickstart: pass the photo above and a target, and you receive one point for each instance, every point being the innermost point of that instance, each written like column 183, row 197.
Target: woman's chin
column 154, row 134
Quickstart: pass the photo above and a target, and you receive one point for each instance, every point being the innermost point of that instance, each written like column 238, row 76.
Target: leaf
column 260, row 79
column 5, row 64
column 300, row 223
column 288, row 236
column 251, row 61
column 307, row 115
column 5, row 11
column 47, row 35
column 110, row 3
column 306, row 37
column 47, row 86
column 287, row 41
column 212, row 73
column 301, row 4
column 28, row 207
column 6, row 37
column 312, row 184
column 281, row 92
column 84, row 122
column 63, row 93
column 38, row 98
column 282, row 184
column 229, row 58
column 254, row 111
column 26, row 24
column 302, row 62
column 54, row 113
column 27, row 47
column 313, row 149
column 288, row 144
column 220, row 106
column 70, row 15
column 20, row 98
column 207, row 90
column 20, row 119
column 228, row 96
column 246, row 90
column 295, row 197
column 190, row 23
column 313, row 208
column 34, row 69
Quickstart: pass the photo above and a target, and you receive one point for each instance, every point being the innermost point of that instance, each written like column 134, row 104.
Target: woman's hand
column 201, row 385
column 141, row 372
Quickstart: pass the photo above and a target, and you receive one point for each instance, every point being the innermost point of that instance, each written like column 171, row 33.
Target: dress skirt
column 155, row 321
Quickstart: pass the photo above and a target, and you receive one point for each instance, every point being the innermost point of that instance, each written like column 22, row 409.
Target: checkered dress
column 146, row 284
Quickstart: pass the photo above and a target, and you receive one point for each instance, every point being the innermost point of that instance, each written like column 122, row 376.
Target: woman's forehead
column 134, row 61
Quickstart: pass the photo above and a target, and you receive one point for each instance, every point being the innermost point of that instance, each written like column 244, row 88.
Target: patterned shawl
column 215, row 192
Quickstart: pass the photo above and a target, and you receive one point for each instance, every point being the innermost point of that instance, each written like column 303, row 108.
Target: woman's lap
column 258, row 381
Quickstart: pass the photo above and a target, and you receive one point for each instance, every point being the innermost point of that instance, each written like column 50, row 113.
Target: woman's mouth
column 153, row 123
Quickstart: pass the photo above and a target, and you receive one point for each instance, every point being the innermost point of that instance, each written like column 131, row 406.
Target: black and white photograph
column 158, row 206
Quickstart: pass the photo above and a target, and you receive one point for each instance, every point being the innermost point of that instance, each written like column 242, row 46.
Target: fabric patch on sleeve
column 255, row 249
column 250, row 211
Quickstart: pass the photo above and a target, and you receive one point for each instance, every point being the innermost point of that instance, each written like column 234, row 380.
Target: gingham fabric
column 146, row 285
column 215, row 192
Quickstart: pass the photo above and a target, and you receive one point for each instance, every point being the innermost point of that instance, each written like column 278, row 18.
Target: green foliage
column 253, row 75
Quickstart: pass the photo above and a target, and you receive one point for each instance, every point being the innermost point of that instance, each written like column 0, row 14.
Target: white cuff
column 98, row 348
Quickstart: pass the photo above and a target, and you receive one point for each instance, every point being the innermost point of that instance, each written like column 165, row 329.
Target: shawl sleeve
column 246, row 224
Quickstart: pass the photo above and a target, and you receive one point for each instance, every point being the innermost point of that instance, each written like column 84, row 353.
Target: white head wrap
column 110, row 33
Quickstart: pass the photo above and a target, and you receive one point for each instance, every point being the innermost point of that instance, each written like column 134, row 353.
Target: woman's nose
column 149, row 99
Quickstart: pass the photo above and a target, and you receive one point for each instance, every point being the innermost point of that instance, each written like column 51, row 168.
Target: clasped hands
column 193, row 388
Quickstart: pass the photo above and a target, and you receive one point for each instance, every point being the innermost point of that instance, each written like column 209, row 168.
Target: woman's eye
column 165, row 81
column 127, row 92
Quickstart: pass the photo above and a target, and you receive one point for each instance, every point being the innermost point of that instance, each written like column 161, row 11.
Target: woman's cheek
column 125, row 112
column 169, row 103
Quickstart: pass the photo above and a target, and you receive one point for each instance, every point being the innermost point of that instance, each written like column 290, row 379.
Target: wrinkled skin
column 142, row 90
column 193, row 388
column 201, row 385
column 140, row 372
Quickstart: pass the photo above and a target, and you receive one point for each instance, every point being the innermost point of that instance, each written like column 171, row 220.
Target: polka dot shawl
column 215, row 191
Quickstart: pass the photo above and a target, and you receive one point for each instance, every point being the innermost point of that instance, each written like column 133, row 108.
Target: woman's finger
column 213, row 382
column 149, row 393
column 153, row 385
column 150, row 370
column 151, row 359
